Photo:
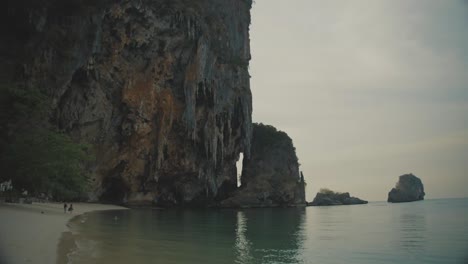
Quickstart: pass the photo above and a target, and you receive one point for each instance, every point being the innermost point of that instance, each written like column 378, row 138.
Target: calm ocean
column 431, row 231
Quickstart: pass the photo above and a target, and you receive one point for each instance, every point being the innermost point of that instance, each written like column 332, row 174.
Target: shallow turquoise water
column 431, row 231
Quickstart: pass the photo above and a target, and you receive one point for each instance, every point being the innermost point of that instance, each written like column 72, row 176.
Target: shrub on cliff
column 267, row 136
column 327, row 191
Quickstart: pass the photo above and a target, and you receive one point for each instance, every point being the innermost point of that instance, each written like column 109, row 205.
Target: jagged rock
column 334, row 198
column 270, row 177
column 409, row 188
column 159, row 88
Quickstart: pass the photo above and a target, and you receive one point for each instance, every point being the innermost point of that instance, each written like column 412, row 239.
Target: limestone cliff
column 270, row 176
column 409, row 188
column 160, row 88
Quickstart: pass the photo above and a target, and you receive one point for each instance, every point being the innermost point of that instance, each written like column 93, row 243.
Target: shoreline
column 32, row 233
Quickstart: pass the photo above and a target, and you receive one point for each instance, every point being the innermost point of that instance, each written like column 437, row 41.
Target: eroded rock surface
column 270, row 177
column 334, row 198
column 159, row 88
column 409, row 188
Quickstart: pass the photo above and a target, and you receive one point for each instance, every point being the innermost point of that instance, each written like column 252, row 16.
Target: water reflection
column 412, row 232
column 242, row 243
column 418, row 233
column 274, row 235
column 192, row 236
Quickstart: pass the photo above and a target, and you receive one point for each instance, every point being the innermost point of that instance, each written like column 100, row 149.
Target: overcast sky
column 367, row 89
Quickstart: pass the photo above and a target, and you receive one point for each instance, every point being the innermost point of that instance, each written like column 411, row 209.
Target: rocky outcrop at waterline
column 327, row 197
column 409, row 188
column 270, row 176
column 159, row 89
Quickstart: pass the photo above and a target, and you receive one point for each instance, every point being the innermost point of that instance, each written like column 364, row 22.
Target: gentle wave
column 432, row 231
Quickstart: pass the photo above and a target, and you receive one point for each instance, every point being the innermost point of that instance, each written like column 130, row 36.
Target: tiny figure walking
column 70, row 208
column 64, row 207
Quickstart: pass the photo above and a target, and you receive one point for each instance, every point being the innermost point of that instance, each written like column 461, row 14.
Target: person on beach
column 64, row 207
column 70, row 208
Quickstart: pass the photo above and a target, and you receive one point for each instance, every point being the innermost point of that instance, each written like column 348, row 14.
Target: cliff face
column 270, row 176
column 409, row 188
column 159, row 88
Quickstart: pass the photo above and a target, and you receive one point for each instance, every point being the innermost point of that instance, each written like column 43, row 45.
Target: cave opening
column 114, row 186
column 115, row 190
column 239, row 169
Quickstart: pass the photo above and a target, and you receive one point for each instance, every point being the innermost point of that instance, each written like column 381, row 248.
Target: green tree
column 35, row 155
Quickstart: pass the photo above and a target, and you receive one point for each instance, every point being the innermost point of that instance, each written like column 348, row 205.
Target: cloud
column 365, row 79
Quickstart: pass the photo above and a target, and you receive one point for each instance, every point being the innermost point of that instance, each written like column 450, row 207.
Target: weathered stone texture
column 409, row 188
column 333, row 198
column 160, row 89
column 270, row 176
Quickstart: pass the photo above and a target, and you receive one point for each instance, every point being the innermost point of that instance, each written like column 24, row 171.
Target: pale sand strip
column 29, row 236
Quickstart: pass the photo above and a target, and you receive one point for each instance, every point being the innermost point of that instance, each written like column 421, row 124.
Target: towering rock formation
column 270, row 177
column 409, row 188
column 159, row 88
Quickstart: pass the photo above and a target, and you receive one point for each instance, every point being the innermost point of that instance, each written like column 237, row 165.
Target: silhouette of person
column 64, row 207
column 70, row 208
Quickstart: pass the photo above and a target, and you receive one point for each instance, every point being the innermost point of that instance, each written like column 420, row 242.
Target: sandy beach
column 30, row 233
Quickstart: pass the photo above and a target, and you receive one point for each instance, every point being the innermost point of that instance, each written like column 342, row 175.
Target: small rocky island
column 327, row 197
column 409, row 188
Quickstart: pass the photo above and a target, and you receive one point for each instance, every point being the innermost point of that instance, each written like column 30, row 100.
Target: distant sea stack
column 409, row 188
column 327, row 197
column 270, row 176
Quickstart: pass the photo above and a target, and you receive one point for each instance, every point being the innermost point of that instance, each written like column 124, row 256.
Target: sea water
column 431, row 231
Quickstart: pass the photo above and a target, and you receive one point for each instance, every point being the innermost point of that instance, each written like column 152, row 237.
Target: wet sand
column 30, row 233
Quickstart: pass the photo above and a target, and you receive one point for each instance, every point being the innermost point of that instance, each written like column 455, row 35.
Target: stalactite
column 117, row 65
